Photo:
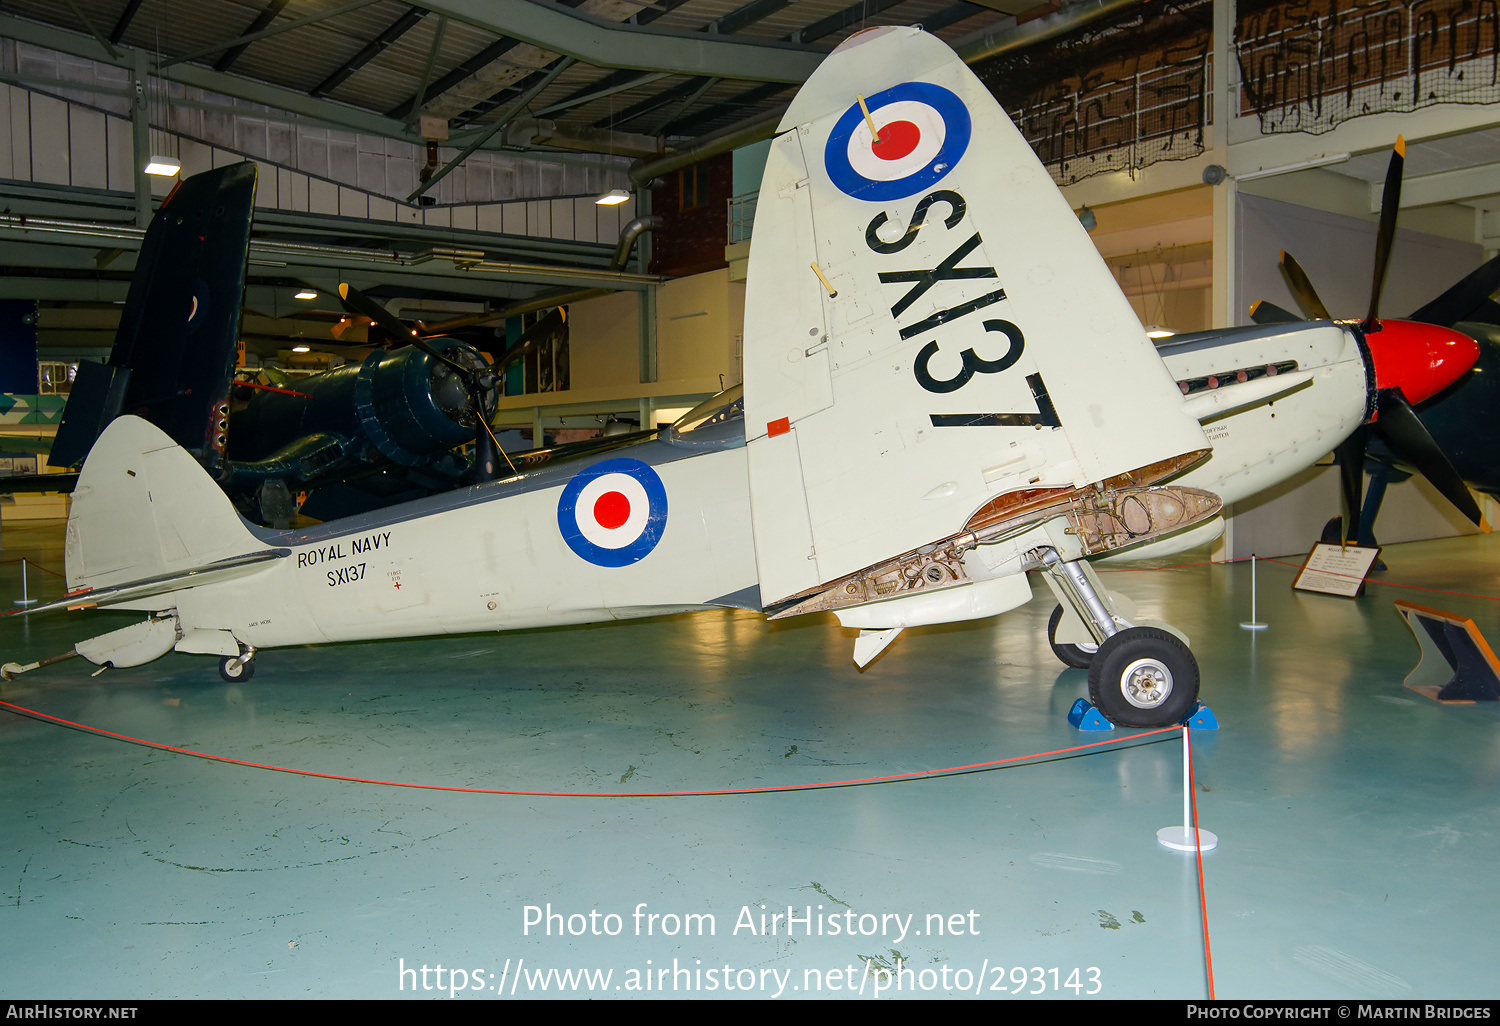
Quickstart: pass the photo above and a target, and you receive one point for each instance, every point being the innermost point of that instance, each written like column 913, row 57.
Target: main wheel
column 236, row 670
column 1078, row 656
column 1144, row 677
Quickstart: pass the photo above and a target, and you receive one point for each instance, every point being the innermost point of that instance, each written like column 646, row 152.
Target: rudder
column 144, row 508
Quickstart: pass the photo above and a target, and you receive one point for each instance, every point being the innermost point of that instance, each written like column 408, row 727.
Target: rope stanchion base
column 1180, row 838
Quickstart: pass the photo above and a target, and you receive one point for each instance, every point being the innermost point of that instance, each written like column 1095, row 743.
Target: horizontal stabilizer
column 164, row 584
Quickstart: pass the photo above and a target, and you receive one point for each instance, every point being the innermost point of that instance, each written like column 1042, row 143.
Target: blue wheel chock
column 1084, row 716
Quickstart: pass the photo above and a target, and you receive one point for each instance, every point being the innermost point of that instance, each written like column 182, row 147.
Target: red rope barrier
column 781, row 788
column 32, row 563
column 1208, row 955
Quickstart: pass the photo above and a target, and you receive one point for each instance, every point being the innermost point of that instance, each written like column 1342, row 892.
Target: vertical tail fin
column 144, row 508
column 174, row 353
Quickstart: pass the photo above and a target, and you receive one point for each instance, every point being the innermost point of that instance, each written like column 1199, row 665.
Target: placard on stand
column 1336, row 569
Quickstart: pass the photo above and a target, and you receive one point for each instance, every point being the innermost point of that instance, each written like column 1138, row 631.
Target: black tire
column 1144, row 677
column 1079, row 657
column 236, row 670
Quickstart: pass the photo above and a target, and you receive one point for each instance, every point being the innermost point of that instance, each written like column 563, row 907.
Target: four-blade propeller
column 1412, row 362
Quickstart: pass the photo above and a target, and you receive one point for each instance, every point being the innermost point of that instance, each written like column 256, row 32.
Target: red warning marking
column 611, row 510
column 778, row 427
column 897, row 139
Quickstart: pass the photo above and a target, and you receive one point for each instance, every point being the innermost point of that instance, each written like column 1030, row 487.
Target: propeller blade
column 1351, row 457
column 486, row 452
column 357, row 302
column 1390, row 206
column 1264, row 312
column 1302, row 288
column 1412, row 443
column 1459, row 302
column 530, row 339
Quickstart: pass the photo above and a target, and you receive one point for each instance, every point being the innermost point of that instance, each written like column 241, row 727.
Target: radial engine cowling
column 403, row 405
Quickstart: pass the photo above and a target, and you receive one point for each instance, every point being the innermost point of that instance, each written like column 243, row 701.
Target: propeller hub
column 1420, row 359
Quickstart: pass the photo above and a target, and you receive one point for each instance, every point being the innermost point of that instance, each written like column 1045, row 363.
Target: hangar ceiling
column 608, row 81
column 617, row 88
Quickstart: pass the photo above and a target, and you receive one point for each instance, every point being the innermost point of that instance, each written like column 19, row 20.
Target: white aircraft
column 944, row 391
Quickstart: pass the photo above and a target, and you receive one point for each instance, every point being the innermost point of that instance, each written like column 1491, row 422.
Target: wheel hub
column 1146, row 683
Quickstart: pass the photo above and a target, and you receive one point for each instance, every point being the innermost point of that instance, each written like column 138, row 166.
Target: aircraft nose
column 1420, row 359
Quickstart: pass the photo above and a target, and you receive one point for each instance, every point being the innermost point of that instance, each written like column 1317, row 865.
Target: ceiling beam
column 324, row 111
column 261, row 21
column 126, row 17
column 994, row 40
column 395, row 31
column 1459, row 186
column 472, row 66
column 108, row 46
column 252, row 36
column 608, row 44
column 852, row 15
column 515, row 108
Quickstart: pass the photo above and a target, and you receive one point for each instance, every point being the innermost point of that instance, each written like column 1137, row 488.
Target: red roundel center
column 897, row 139
column 611, row 510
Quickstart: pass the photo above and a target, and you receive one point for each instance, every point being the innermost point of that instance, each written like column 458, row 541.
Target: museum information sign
column 1336, row 569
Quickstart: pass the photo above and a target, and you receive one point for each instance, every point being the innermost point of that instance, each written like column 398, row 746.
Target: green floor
column 1358, row 822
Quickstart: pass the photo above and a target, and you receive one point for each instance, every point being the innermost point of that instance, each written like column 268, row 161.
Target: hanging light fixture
column 160, row 163
column 613, row 198
column 165, row 166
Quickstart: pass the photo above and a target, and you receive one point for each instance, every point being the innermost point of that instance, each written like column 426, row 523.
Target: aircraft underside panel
column 976, row 343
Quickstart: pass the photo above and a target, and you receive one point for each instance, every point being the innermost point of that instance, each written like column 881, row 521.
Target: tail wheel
column 236, row 669
column 1078, row 656
column 1144, row 677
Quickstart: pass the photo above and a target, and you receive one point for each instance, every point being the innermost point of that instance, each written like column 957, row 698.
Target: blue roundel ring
column 957, row 127
column 644, row 510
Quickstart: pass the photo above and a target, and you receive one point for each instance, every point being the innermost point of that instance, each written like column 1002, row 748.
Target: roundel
column 923, row 131
column 613, row 513
column 198, row 305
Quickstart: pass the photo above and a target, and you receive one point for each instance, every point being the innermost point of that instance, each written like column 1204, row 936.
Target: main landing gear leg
column 1140, row 676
